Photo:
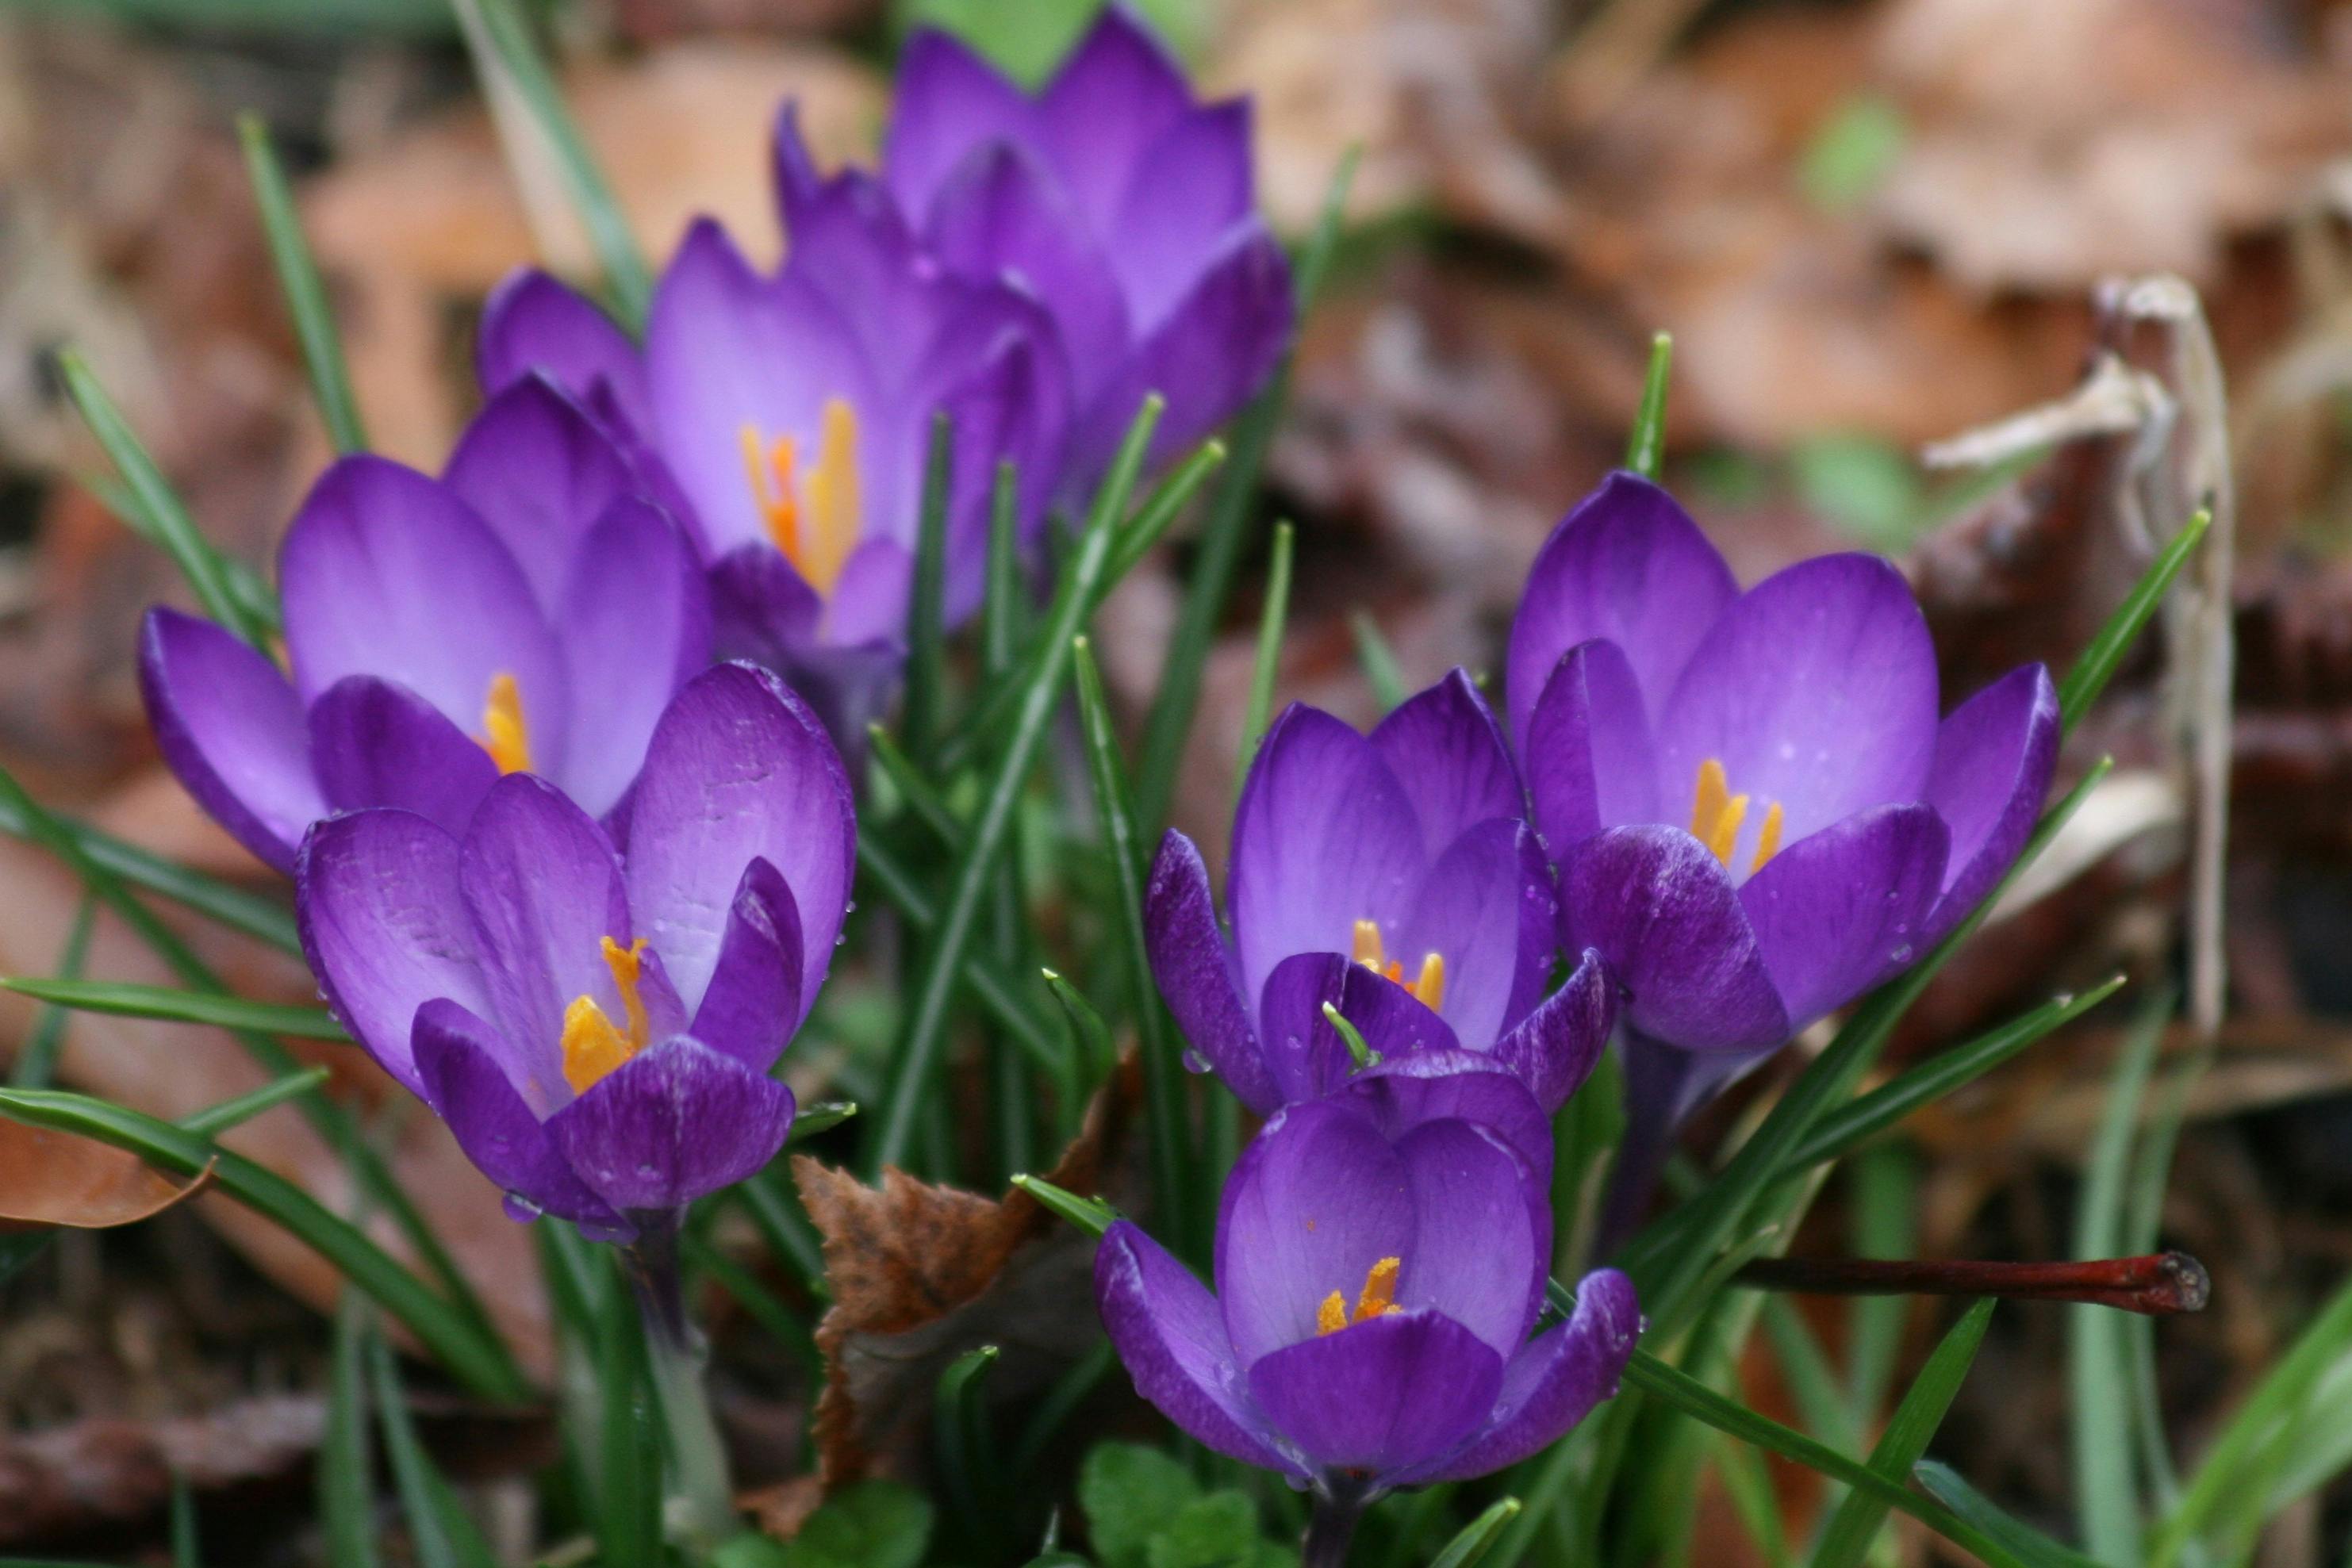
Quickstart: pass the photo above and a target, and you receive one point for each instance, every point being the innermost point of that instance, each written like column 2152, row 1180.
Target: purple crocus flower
column 529, row 610
column 1756, row 810
column 1381, row 1260
column 1127, row 205
column 788, row 417
column 1391, row 875
column 594, row 1014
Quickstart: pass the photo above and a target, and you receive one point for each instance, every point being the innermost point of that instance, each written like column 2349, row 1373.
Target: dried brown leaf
column 50, row 1178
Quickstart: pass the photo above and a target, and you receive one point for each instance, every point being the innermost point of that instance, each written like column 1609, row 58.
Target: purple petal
column 1628, row 566
column 1385, row 1395
column 759, row 604
column 1486, row 907
column 1316, row 1200
column 671, row 1124
column 543, row 888
column 469, row 1083
column 385, row 572
column 1302, row 1051
column 1184, row 195
column 376, row 744
column 635, row 627
column 1482, row 1231
column 1007, row 392
column 725, row 348
column 1663, row 916
column 1815, row 690
column 385, row 929
column 1001, row 214
column 1195, row 970
column 1554, row 1050
column 1994, row 756
column 754, row 1002
column 533, row 322
column 1324, row 837
column 948, row 101
column 1166, row 1328
column 1838, row 911
column 540, row 473
column 1118, row 91
column 1402, row 1093
column 232, row 731
column 1447, row 751
column 739, row 770
column 870, row 601
column 1589, row 759
column 1553, row 1383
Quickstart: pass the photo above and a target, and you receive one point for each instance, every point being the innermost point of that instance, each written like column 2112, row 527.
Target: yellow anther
column 770, row 472
column 1430, row 984
column 818, row 536
column 504, row 735
column 1368, row 950
column 593, row 1044
column 1727, row 828
column 1767, row 839
column 1715, row 812
column 1378, row 1299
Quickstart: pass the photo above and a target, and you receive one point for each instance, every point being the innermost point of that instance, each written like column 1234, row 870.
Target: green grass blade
column 912, row 784
column 1867, row 1116
column 914, row 1065
column 508, row 59
column 2106, row 1501
column 1382, row 672
column 176, row 1006
column 629, row 1441
column 1805, row 1367
column 774, row 1206
column 1003, row 604
column 217, row 901
column 1646, row 448
column 346, row 1458
column 1091, row 1215
column 1886, row 1206
column 439, row 1528
column 1093, row 1034
column 1966, row 1502
column 926, row 638
column 1269, row 649
column 214, row 1120
column 306, row 295
column 960, row 1436
column 1856, row 1522
column 1164, row 1091
column 1478, row 1537
column 473, row 1357
column 157, row 510
column 1221, row 537
column 187, row 1551
column 2096, row 664
column 37, row 1059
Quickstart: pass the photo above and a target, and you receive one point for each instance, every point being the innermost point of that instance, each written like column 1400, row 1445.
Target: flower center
column 814, row 522
column 593, row 1044
column 1716, row 814
column 1428, row 987
column 504, row 735
column 1377, row 1299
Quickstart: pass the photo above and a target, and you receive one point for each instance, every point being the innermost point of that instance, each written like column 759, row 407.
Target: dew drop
column 1195, row 1061
column 1902, row 953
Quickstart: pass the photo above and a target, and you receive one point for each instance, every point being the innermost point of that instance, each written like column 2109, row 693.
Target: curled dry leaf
column 50, row 1178
column 922, row 1274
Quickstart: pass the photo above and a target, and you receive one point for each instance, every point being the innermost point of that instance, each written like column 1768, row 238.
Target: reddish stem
column 2158, row 1285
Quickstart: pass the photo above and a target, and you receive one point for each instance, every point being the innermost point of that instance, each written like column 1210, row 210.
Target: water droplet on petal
column 1195, row 1061
column 1902, row 953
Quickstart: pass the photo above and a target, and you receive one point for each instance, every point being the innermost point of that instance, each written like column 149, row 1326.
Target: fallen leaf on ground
column 51, row 1178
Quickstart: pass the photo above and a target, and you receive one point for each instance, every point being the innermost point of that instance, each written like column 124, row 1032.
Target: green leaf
column 1164, row 1087
column 1027, row 40
column 1129, row 1494
column 177, row 1006
column 1477, row 1537
column 450, row 1334
column 2096, row 664
column 1855, row 1524
column 1645, row 447
column 1088, row 1214
column 1853, row 152
column 306, row 295
column 774, row 1206
column 872, row 1524
column 2106, row 1500
column 1864, row 484
column 1269, row 649
column 157, row 510
column 215, row 1120
column 628, row 1436
column 960, row 1434
column 346, row 1459
column 1379, row 660
column 217, row 901
column 438, row 1527
column 1093, row 1033
column 927, row 642
column 187, row 1552
column 914, row 1066
column 1219, row 1530
column 514, row 77
column 36, row 1060
column 1982, row 1514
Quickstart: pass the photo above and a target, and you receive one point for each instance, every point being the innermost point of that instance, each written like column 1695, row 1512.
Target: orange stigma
column 1716, row 815
column 1428, row 987
column 593, row 1044
column 814, row 520
column 1378, row 1299
column 504, row 735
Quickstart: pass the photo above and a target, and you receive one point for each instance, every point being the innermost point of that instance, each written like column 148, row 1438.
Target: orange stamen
column 504, row 734
column 1378, row 1299
column 593, row 1044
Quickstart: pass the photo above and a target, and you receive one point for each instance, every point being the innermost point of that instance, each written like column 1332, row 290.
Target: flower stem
column 1331, row 1529
column 701, row 1502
